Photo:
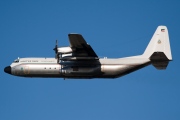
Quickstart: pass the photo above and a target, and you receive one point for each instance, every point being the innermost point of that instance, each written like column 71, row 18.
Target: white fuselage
column 102, row 68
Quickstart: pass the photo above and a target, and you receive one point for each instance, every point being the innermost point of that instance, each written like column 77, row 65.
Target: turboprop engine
column 61, row 52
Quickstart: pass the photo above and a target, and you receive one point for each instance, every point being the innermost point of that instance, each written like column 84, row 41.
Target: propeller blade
column 56, row 47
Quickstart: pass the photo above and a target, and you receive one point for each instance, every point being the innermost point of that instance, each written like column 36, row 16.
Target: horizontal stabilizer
column 159, row 60
column 160, row 65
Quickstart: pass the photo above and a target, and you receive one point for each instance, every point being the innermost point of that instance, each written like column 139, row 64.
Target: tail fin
column 158, row 49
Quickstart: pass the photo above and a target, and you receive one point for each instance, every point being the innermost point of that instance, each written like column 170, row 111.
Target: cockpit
column 16, row 60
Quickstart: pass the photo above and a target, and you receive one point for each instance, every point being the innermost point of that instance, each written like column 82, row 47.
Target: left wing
column 80, row 47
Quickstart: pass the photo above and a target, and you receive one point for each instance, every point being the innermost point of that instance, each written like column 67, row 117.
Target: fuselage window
column 16, row 61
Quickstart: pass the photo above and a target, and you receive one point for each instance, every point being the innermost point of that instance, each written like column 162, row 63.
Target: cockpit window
column 16, row 61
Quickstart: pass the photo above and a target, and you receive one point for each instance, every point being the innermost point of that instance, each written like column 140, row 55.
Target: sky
column 114, row 29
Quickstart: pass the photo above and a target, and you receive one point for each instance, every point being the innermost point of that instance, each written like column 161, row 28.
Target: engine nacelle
column 67, row 55
column 64, row 50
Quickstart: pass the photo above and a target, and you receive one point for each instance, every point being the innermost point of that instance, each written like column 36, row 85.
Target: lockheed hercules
column 80, row 61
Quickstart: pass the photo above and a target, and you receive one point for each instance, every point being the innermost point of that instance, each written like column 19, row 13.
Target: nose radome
column 7, row 69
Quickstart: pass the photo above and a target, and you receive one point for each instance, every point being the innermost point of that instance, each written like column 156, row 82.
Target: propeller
column 56, row 46
column 56, row 49
column 57, row 55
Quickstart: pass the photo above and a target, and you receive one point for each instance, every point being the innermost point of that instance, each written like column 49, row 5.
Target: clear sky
column 114, row 28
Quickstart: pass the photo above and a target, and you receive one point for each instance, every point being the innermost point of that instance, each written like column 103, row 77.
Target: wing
column 80, row 47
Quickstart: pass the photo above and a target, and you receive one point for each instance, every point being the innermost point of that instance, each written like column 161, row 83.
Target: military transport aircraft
column 80, row 61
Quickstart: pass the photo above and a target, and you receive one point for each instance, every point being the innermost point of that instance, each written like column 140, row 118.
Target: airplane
column 80, row 61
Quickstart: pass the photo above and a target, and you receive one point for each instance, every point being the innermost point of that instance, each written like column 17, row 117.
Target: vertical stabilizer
column 159, row 43
column 158, row 49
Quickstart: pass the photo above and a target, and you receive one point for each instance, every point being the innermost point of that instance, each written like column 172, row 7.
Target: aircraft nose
column 7, row 69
